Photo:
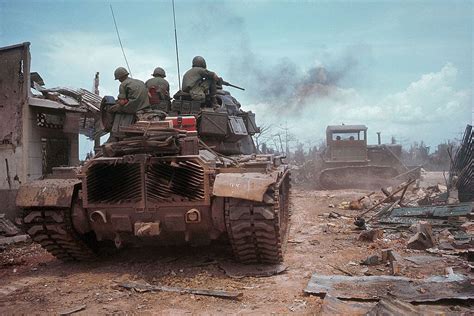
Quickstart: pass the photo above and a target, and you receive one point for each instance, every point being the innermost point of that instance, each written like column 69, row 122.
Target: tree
column 263, row 136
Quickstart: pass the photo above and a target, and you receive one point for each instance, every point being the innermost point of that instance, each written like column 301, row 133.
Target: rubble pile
column 426, row 213
column 11, row 240
column 412, row 226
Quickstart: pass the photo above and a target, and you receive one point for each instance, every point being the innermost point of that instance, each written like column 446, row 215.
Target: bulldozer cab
column 346, row 143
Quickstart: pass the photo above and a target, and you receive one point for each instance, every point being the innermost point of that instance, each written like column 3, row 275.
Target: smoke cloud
column 282, row 84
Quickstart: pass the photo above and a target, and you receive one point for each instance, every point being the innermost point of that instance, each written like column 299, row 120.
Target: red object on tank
column 187, row 123
column 153, row 95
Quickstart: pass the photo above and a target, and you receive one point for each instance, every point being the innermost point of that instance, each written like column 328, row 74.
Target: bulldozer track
column 355, row 176
column 52, row 229
column 258, row 231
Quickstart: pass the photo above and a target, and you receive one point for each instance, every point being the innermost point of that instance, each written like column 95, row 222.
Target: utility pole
column 96, row 83
column 96, row 91
column 286, row 140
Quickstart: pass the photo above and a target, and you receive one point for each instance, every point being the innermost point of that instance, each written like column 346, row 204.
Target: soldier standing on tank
column 158, row 87
column 200, row 82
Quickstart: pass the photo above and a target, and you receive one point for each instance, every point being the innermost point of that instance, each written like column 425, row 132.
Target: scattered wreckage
column 437, row 219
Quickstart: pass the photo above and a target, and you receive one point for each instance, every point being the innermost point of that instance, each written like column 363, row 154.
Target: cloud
column 72, row 56
column 429, row 109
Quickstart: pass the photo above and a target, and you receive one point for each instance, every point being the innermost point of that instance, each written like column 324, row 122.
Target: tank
column 193, row 177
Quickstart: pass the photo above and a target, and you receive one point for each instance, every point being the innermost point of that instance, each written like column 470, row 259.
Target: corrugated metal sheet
column 72, row 100
column 88, row 99
column 461, row 175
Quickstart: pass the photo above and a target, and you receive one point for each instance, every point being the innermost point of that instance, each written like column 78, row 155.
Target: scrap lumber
column 143, row 287
column 73, row 310
column 388, row 198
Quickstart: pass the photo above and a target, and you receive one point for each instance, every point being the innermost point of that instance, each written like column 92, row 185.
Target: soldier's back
column 192, row 77
column 136, row 93
column 162, row 83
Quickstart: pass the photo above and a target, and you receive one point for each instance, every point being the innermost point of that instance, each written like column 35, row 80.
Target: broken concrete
column 423, row 239
column 7, row 228
column 370, row 235
column 394, row 259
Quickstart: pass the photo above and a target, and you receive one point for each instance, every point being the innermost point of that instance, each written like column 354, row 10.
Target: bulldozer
column 192, row 177
column 348, row 162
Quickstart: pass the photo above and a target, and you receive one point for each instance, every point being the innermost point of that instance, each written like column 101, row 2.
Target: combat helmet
column 159, row 72
column 199, row 61
column 120, row 72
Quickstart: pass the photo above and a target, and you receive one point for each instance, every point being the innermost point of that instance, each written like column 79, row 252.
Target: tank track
column 258, row 231
column 52, row 229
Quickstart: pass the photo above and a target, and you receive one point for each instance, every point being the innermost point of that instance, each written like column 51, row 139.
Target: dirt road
column 32, row 281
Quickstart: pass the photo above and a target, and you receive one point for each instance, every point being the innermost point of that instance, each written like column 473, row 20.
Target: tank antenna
column 176, row 45
column 120, row 41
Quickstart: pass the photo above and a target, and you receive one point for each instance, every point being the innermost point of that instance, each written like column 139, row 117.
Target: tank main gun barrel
column 225, row 83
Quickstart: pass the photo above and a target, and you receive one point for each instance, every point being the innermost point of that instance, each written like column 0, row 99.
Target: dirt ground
column 32, row 281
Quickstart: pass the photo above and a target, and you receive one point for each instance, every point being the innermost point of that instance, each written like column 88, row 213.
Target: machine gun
column 225, row 83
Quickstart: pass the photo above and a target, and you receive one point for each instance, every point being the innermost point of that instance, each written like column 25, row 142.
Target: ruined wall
column 22, row 141
column 14, row 85
column 13, row 94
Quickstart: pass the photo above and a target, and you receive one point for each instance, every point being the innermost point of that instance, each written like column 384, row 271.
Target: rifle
column 225, row 83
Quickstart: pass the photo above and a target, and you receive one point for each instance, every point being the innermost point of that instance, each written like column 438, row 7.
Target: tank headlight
column 193, row 216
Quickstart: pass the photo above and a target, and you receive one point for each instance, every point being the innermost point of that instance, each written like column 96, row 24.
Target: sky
column 404, row 68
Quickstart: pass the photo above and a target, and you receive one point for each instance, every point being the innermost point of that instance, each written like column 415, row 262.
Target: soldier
column 158, row 87
column 133, row 95
column 200, row 82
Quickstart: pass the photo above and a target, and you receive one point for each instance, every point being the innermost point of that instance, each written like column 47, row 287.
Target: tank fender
column 249, row 186
column 49, row 192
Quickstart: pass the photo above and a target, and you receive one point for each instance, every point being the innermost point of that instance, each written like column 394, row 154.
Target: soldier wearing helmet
column 133, row 95
column 158, row 87
column 200, row 82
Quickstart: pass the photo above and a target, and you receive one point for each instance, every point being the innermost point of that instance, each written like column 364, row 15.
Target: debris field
column 347, row 253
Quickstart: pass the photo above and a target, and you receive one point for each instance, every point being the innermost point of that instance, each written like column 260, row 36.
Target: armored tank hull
column 168, row 182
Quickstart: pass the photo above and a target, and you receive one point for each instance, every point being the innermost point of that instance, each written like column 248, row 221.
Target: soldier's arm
column 122, row 92
column 209, row 75
column 122, row 101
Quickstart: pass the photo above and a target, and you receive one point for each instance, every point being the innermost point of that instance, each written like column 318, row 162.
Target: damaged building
column 40, row 127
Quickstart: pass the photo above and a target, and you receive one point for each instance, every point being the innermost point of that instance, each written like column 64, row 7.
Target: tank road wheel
column 258, row 232
column 52, row 229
